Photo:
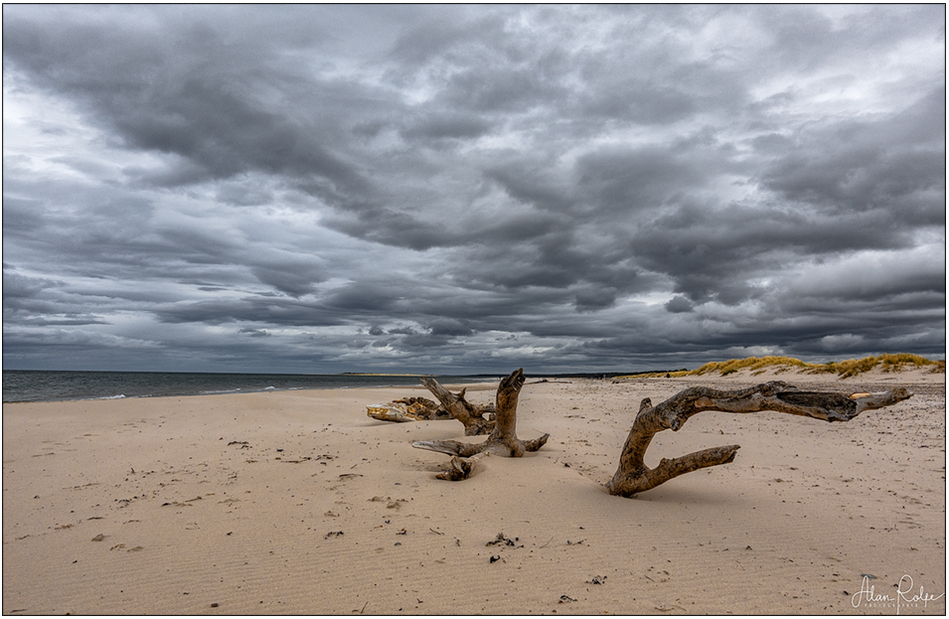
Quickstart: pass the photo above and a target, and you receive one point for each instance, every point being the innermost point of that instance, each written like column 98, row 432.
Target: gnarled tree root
column 633, row 476
column 502, row 441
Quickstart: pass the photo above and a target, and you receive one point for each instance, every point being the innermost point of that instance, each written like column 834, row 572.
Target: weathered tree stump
column 633, row 476
column 502, row 441
column 471, row 415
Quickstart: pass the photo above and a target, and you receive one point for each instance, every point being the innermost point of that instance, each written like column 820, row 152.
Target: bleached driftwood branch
column 633, row 476
column 405, row 410
column 503, row 440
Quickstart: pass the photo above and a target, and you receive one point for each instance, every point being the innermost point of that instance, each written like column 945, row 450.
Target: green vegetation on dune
column 844, row 369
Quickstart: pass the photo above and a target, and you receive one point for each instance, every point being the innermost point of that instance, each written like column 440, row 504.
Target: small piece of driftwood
column 405, row 410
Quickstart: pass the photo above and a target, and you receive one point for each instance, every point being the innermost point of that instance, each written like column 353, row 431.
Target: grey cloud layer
column 452, row 188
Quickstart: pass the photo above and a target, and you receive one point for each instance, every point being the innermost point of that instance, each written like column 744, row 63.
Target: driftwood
column 408, row 409
column 503, row 440
column 471, row 415
column 633, row 476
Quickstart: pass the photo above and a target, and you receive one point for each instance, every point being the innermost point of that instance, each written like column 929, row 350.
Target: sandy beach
column 298, row 503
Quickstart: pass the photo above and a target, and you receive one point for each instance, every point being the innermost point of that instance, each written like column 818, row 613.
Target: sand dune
column 297, row 502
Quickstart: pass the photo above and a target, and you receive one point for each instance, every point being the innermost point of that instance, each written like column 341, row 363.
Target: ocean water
column 47, row 386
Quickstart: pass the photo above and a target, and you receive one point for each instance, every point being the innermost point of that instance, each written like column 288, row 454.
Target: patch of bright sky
column 859, row 85
column 39, row 129
column 867, row 269
column 650, row 299
column 49, row 136
column 740, row 352
column 835, row 342
column 707, row 42
column 511, row 352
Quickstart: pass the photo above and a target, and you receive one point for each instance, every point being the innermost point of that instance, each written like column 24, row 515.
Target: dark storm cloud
column 188, row 92
column 445, row 126
column 861, row 165
column 715, row 253
column 618, row 181
column 450, row 328
column 679, row 305
column 460, row 188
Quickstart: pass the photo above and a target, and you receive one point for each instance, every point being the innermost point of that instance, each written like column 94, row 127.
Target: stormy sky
column 452, row 189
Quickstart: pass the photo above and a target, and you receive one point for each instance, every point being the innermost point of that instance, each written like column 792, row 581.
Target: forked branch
column 471, row 415
column 633, row 476
column 503, row 440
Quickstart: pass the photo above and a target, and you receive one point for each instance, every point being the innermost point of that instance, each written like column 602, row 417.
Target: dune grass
column 844, row 369
column 751, row 363
column 890, row 363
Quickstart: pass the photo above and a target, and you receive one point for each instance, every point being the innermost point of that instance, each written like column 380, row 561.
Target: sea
column 53, row 386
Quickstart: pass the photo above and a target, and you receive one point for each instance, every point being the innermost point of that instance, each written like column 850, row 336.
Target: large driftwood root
column 405, row 410
column 472, row 416
column 633, row 476
column 502, row 441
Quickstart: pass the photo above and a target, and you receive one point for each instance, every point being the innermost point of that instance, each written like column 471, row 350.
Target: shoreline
column 452, row 386
column 55, row 386
column 296, row 502
column 876, row 377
